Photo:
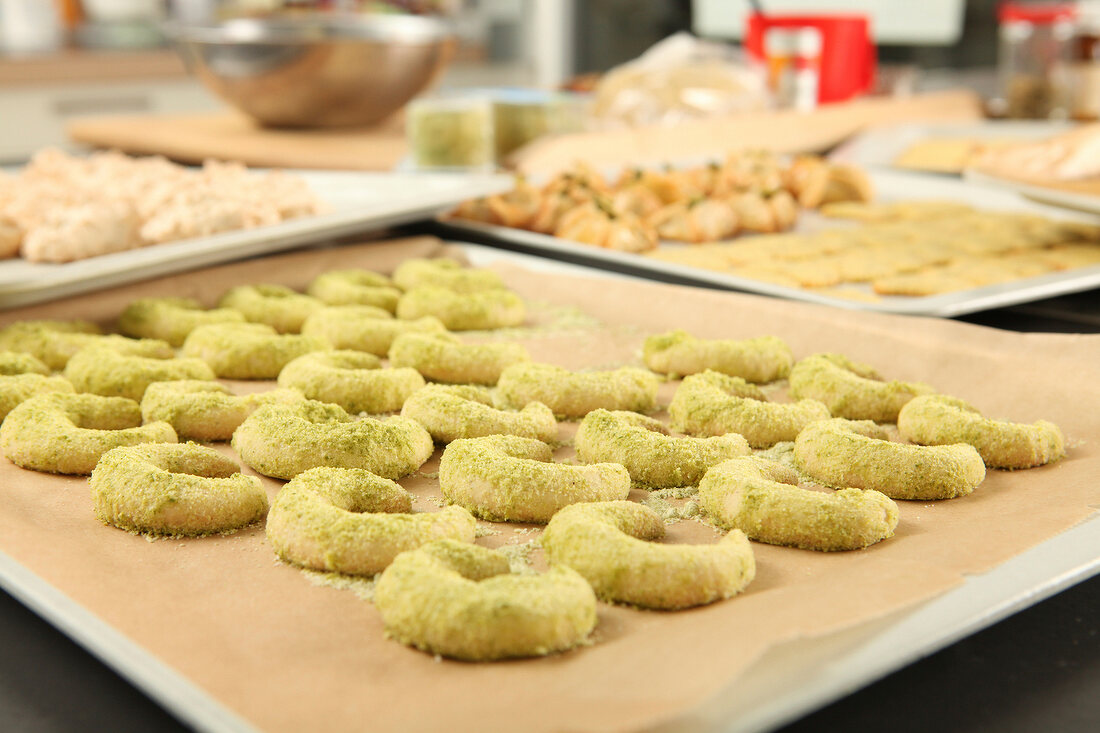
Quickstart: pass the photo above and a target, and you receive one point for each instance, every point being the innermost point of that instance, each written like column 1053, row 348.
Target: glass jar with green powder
column 451, row 132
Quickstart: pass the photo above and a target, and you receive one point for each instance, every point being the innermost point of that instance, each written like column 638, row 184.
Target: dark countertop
column 1036, row 670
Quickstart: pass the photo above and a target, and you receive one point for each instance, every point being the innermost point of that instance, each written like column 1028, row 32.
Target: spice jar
column 451, row 132
column 1084, row 70
column 1035, row 48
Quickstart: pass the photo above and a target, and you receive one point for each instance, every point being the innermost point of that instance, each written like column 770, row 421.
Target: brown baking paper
column 289, row 654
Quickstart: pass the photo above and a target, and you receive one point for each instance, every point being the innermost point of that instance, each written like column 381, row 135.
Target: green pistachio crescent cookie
column 715, row 404
column 575, row 394
column 355, row 380
column 18, row 388
column 939, row 419
column 54, row 342
column 174, row 489
column 278, row 306
column 348, row 520
column 459, row 600
column 653, row 457
column 171, row 319
column 479, row 311
column 283, row 440
column 444, row 358
column 205, row 411
column 611, row 544
column 462, row 411
column 447, row 274
column 17, row 362
column 364, row 327
column 67, row 433
column 763, row 500
column 506, row 478
column 106, row 372
column 858, row 454
column 762, row 359
column 248, row 350
column 850, row 389
column 355, row 287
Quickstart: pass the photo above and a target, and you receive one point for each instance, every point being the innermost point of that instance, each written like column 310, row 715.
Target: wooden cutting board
column 228, row 135
column 784, row 131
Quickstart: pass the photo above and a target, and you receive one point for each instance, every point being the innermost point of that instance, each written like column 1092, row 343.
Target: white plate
column 359, row 202
column 879, row 147
column 889, row 186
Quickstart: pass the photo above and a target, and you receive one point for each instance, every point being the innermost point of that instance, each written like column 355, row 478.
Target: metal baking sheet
column 359, row 202
column 889, row 186
column 791, row 681
column 1061, row 198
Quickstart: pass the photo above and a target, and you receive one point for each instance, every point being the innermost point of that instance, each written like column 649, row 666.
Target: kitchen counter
column 40, row 94
column 75, row 66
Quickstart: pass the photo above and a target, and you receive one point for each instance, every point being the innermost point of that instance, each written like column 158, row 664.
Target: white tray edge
column 174, row 692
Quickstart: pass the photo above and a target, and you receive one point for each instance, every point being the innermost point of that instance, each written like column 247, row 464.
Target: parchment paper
column 292, row 655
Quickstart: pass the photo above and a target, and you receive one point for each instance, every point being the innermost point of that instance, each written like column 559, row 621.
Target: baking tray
column 1062, row 198
column 359, row 202
column 889, row 186
column 880, row 147
column 790, row 681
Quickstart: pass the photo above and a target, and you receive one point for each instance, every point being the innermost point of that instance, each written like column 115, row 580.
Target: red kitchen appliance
column 833, row 52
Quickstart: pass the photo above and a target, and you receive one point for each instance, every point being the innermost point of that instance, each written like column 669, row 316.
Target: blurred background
column 64, row 59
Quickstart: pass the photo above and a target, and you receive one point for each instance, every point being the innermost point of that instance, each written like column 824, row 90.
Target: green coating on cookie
column 278, row 306
column 456, row 412
column 355, row 287
column 443, row 358
column 575, row 394
column 174, row 489
column 205, row 411
column 652, row 456
column 940, row 419
column 18, row 362
column 506, row 478
column 678, row 353
column 478, row 311
column 247, row 350
column 459, row 600
column 352, row 379
column 715, row 404
column 447, row 274
column 171, row 319
column 54, row 342
column 111, row 374
column 763, row 500
column 67, row 433
column 18, row 388
column 364, row 327
column 857, row 454
column 851, row 389
column 67, row 326
column 283, row 440
column 347, row 520
column 611, row 544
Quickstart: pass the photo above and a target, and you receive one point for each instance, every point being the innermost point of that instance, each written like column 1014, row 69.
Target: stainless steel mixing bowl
column 319, row 70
